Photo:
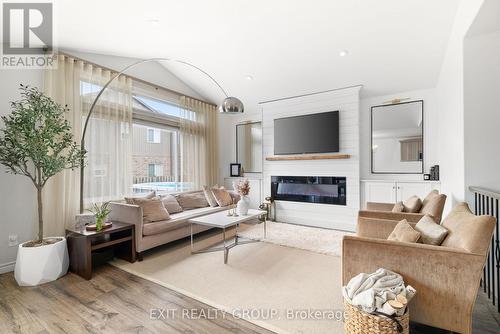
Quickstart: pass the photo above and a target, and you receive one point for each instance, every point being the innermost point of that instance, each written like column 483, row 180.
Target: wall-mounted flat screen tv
column 313, row 133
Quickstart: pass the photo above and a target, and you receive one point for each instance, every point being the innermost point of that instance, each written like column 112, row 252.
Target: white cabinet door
column 407, row 189
column 382, row 192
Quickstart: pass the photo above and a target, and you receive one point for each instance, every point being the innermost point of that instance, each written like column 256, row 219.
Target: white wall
column 321, row 215
column 450, row 98
column 17, row 195
column 431, row 133
column 482, row 112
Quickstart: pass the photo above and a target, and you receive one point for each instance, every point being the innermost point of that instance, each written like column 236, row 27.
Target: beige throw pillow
column 153, row 209
column 171, row 204
column 222, row 196
column 130, row 200
column 398, row 207
column 190, row 201
column 404, row 232
column 412, row 204
column 430, row 232
column 210, row 196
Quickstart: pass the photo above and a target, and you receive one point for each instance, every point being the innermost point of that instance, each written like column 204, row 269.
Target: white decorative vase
column 38, row 265
column 243, row 205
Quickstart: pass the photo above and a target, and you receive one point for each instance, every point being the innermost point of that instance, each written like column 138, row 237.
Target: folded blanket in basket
column 371, row 291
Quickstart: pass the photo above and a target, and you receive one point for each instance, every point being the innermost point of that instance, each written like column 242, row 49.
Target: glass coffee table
column 222, row 221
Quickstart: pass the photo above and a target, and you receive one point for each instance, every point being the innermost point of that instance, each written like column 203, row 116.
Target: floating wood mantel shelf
column 308, row 157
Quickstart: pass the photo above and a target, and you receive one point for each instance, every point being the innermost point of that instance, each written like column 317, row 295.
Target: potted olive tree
column 36, row 141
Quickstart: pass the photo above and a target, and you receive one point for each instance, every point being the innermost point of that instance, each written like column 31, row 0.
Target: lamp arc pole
column 230, row 105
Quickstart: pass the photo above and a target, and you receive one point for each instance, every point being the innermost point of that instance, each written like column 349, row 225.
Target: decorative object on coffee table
column 101, row 214
column 86, row 248
column 37, row 142
column 243, row 189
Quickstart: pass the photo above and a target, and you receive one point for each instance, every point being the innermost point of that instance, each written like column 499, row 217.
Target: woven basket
column 359, row 322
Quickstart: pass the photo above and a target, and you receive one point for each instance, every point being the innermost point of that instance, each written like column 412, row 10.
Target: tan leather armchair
column 446, row 277
column 432, row 205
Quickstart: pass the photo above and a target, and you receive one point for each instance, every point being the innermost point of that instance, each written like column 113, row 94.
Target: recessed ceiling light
column 154, row 22
column 343, row 53
column 249, row 77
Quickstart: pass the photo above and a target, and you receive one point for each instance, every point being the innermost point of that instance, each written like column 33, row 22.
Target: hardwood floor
column 115, row 301
column 112, row 302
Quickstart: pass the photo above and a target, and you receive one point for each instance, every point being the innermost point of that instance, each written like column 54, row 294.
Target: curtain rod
column 134, row 78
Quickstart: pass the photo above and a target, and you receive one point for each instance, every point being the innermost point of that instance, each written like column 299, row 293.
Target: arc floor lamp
column 230, row 105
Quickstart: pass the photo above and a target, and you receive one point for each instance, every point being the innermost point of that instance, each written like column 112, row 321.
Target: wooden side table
column 83, row 245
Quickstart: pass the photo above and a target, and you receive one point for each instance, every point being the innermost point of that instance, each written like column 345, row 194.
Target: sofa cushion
column 162, row 226
column 468, row 231
column 178, row 220
column 412, row 204
column 130, row 200
column 222, row 196
column 398, row 207
column 171, row 204
column 431, row 233
column 192, row 200
column 433, row 205
column 209, row 196
column 152, row 209
column 404, row 232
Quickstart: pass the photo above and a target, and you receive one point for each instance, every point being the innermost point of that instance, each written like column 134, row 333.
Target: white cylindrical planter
column 38, row 265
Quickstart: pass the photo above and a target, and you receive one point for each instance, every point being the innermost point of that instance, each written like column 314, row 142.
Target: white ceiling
column 289, row 47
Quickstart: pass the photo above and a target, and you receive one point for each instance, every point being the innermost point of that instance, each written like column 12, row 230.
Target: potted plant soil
column 36, row 141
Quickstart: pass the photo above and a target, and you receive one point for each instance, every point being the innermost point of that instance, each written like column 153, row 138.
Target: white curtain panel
column 198, row 143
column 108, row 140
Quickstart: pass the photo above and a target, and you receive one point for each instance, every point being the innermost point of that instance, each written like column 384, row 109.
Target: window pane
column 159, row 106
column 155, row 160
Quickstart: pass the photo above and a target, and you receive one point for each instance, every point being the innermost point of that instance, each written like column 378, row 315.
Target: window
column 153, row 136
column 155, row 170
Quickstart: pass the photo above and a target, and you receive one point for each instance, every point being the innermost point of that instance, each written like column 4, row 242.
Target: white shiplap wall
column 320, row 215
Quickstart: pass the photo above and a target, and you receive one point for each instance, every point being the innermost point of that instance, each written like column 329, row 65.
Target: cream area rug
column 309, row 238
column 283, row 289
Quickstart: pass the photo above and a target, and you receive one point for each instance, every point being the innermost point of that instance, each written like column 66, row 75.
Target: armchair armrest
column 376, row 228
column 374, row 206
column 446, row 279
column 398, row 216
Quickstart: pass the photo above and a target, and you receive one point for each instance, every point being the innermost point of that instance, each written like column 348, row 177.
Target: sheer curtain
column 198, row 143
column 108, row 174
column 108, row 139
column 61, row 193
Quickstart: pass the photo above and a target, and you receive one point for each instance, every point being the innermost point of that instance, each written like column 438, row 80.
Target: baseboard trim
column 7, row 267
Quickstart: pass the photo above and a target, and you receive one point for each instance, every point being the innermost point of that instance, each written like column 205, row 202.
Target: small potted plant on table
column 37, row 142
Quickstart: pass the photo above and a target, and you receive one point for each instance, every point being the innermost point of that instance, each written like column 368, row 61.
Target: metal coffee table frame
column 237, row 240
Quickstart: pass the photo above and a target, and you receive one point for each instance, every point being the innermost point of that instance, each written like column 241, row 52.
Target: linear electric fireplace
column 311, row 189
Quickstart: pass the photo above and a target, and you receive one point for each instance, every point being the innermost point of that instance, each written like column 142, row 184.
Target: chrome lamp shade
column 231, row 105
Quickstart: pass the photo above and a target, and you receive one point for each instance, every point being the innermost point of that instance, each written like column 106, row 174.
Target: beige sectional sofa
column 152, row 234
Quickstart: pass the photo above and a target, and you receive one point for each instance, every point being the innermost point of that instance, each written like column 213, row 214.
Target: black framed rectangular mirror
column 397, row 138
column 249, row 146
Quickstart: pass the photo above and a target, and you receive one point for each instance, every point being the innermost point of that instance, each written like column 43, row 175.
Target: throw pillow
column 153, row 209
column 398, row 207
column 404, row 232
column 171, row 204
column 193, row 200
column 130, row 200
column 412, row 204
column 433, row 205
column 210, row 196
column 431, row 233
column 222, row 197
